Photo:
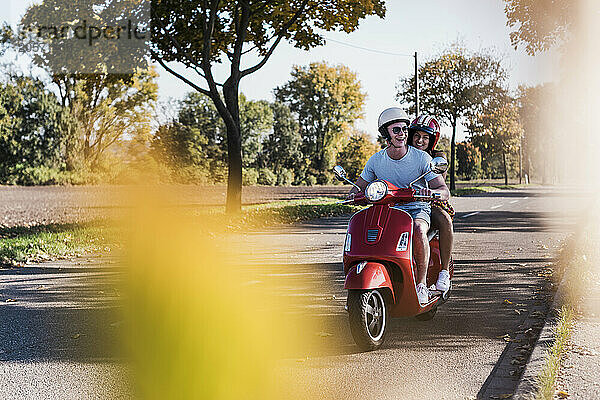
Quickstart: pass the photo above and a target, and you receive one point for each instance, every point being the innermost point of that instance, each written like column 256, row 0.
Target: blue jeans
column 420, row 210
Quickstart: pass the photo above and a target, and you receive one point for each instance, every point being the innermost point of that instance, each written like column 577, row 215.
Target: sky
column 426, row 26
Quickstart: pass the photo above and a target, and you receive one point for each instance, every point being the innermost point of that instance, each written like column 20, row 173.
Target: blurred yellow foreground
column 199, row 325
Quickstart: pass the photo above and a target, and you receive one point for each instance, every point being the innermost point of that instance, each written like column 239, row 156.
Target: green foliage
column 193, row 147
column 180, row 148
column 539, row 25
column 309, row 180
column 266, row 177
column 48, row 27
column 108, row 110
column 34, row 131
column 282, row 148
column 42, row 242
column 108, row 103
column 498, row 135
column 249, row 176
column 443, row 145
column 257, row 24
column 198, row 112
column 285, row 177
column 355, row 154
column 256, row 121
column 286, row 212
column 547, row 378
column 469, row 160
column 328, row 100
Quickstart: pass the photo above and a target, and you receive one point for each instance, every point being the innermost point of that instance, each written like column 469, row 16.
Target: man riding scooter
column 399, row 164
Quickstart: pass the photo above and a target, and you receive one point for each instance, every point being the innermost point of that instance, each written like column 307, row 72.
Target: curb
column 528, row 384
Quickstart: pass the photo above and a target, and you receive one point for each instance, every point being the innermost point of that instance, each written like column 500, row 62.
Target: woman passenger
column 423, row 133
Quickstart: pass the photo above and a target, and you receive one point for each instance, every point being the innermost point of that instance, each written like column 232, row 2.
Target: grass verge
column 469, row 190
column 576, row 270
column 473, row 190
column 546, row 380
column 21, row 245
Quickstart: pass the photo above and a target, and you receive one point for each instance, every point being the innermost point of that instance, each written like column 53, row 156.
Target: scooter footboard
column 371, row 275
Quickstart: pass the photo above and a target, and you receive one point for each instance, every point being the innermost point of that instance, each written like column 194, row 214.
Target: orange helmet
column 428, row 124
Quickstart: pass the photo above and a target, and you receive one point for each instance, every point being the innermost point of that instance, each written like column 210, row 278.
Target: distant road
column 27, row 205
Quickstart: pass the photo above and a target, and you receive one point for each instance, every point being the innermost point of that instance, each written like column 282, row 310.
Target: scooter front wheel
column 368, row 316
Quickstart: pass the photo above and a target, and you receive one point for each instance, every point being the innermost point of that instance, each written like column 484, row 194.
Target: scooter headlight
column 376, row 191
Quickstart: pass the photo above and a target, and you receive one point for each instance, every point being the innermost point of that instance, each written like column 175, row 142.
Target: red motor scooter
column 378, row 260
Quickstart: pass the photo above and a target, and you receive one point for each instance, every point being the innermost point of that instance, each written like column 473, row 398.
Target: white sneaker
column 443, row 282
column 422, row 293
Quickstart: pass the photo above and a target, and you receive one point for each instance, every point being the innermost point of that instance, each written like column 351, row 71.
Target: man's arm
column 361, row 183
column 437, row 185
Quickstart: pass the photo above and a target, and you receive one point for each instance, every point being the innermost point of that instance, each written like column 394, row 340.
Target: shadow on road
column 476, row 309
column 510, row 221
column 67, row 314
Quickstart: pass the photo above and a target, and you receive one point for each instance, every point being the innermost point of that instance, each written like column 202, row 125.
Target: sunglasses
column 397, row 129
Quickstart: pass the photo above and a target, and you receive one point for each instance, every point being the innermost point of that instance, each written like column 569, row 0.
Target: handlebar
column 359, row 198
column 434, row 196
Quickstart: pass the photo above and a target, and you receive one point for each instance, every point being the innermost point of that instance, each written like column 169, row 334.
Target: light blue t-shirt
column 399, row 172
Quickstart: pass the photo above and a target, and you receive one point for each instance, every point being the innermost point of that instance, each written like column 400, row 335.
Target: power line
column 367, row 49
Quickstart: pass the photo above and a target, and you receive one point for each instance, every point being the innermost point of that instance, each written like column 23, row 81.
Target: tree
column 182, row 149
column 355, row 153
column 500, row 132
column 108, row 110
column 282, row 148
column 200, row 34
column 455, row 85
column 469, row 160
column 327, row 101
column 539, row 25
column 199, row 113
column 34, row 128
column 109, row 92
column 256, row 121
column 443, row 144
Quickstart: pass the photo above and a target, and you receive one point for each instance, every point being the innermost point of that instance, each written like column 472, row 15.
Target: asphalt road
column 473, row 348
column 60, row 320
column 59, row 336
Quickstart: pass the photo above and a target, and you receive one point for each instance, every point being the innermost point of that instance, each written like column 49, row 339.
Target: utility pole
column 416, row 86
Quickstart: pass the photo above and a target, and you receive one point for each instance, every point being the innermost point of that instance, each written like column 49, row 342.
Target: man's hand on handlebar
column 350, row 196
column 428, row 193
column 425, row 192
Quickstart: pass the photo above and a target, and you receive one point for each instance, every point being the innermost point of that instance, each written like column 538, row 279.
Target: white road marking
column 512, row 202
column 470, row 215
column 496, row 206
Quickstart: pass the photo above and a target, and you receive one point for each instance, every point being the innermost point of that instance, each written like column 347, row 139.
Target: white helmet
column 389, row 116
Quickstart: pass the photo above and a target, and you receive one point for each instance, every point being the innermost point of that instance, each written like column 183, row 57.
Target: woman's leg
column 442, row 221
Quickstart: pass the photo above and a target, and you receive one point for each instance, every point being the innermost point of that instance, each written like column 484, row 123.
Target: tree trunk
column 521, row 162
column 234, row 150
column 452, row 155
column 504, row 168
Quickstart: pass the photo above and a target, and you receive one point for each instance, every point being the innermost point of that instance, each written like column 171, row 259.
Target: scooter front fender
column 373, row 275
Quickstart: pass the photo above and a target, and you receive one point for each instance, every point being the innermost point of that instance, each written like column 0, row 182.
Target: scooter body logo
column 402, row 242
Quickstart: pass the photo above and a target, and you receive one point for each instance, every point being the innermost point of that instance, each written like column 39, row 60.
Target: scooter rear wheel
column 368, row 316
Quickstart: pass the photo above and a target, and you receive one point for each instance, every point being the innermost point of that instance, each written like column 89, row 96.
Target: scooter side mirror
column 340, row 173
column 439, row 165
